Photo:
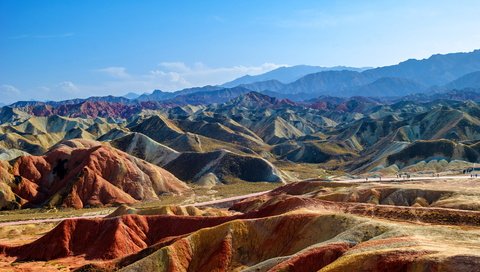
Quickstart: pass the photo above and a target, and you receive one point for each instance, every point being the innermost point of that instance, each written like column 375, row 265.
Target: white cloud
column 170, row 76
column 6, row 89
column 9, row 93
column 67, row 86
column 115, row 71
column 175, row 66
column 200, row 74
column 56, row 92
column 167, row 76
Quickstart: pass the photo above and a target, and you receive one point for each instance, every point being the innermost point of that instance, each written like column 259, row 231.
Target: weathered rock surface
column 292, row 228
column 81, row 173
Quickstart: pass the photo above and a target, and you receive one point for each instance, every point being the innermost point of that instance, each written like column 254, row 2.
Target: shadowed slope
column 224, row 165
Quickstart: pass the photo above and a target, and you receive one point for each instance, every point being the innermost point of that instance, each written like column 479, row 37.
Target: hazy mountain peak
column 287, row 74
column 131, row 95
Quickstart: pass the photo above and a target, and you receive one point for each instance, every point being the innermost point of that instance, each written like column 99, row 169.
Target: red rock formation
column 287, row 229
column 78, row 173
column 313, row 259
column 87, row 108
column 96, row 109
column 109, row 238
column 115, row 237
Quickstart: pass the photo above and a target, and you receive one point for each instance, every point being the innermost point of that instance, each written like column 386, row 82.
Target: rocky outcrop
column 142, row 146
column 225, row 165
column 8, row 200
column 81, row 173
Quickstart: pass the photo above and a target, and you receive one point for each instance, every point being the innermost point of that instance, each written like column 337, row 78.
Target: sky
column 53, row 50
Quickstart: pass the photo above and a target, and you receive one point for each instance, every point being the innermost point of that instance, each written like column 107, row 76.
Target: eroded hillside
column 250, row 138
column 305, row 226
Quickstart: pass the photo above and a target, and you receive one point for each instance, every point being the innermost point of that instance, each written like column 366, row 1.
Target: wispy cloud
column 175, row 66
column 167, row 76
column 176, row 75
column 56, row 91
column 67, row 86
column 6, row 89
column 9, row 93
column 42, row 36
column 181, row 75
column 115, row 71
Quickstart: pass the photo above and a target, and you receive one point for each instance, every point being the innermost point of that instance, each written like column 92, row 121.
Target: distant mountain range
column 471, row 80
column 436, row 70
column 131, row 95
column 288, row 74
column 358, row 133
column 122, row 108
column 439, row 73
column 159, row 95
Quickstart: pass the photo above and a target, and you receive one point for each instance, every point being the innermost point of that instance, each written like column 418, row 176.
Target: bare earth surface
column 421, row 224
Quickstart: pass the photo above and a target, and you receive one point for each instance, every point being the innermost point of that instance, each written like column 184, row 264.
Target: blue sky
column 64, row 49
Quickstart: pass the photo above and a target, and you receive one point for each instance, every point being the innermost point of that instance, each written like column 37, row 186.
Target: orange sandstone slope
column 109, row 238
column 79, row 173
column 293, row 229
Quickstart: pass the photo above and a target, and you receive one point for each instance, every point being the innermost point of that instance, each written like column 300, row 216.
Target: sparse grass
column 25, row 231
column 302, row 171
column 333, row 148
column 30, row 214
column 202, row 194
column 234, row 188
column 163, row 201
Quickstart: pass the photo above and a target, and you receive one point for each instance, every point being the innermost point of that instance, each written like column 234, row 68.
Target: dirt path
column 229, row 200
column 48, row 220
column 401, row 179
column 200, row 204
